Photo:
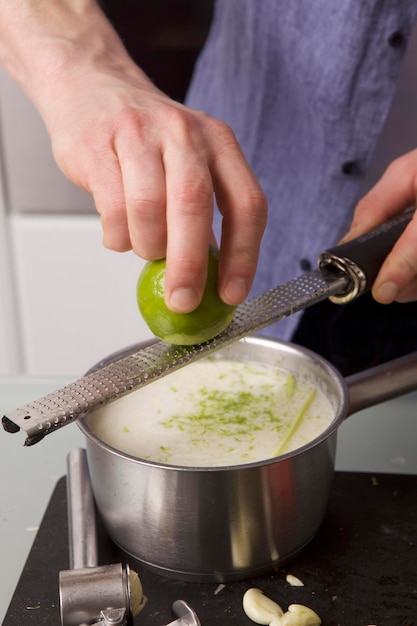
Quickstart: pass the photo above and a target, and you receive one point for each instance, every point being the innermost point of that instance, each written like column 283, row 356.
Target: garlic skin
column 259, row 608
column 299, row 615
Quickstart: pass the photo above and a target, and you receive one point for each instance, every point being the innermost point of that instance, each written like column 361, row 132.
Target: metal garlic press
column 89, row 593
column 344, row 273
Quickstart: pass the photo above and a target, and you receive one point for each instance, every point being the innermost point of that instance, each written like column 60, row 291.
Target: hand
column 393, row 193
column 151, row 164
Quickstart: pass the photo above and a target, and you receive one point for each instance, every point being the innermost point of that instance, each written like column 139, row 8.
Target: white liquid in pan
column 215, row 413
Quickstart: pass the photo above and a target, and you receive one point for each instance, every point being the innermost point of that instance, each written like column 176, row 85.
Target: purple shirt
column 306, row 87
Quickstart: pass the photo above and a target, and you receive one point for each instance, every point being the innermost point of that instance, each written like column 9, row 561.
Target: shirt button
column 350, row 167
column 305, row 265
column 396, row 39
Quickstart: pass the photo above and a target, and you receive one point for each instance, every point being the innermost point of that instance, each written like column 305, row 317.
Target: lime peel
column 208, row 320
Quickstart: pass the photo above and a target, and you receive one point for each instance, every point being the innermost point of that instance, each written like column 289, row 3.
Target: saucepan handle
column 382, row 382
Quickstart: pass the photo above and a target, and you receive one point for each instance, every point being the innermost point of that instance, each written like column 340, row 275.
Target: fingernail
column 387, row 292
column 183, row 300
column 236, row 290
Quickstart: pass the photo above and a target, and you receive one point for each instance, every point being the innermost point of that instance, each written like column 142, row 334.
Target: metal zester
column 343, row 273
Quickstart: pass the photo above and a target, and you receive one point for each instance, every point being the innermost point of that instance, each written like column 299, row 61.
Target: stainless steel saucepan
column 229, row 523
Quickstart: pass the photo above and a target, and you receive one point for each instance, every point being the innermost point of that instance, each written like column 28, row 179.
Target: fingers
column 393, row 193
column 154, row 187
column 216, row 165
column 104, row 182
column 397, row 279
column 128, row 185
column 143, row 179
column 189, row 221
column 244, row 209
column 164, row 201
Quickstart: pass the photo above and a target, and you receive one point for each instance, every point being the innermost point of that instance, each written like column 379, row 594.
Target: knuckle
column 224, row 142
column 176, row 116
column 113, row 210
column 116, row 239
column 114, row 224
column 116, row 245
column 401, row 264
column 245, row 258
column 149, row 249
column 395, row 165
column 253, row 209
column 367, row 203
column 255, row 203
column 192, row 195
column 405, row 162
column 131, row 119
column 221, row 130
column 190, row 268
column 146, row 207
column 187, row 125
column 404, row 170
column 182, row 123
column 407, row 265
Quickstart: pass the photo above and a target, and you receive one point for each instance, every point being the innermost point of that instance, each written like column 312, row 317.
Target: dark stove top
column 360, row 569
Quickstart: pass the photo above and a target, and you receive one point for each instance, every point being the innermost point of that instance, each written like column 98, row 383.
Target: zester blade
column 345, row 272
column 119, row 378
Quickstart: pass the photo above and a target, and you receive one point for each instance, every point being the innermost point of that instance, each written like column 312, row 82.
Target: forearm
column 45, row 44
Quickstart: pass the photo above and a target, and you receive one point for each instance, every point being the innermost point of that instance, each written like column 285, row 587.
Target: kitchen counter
column 379, row 440
column 358, row 570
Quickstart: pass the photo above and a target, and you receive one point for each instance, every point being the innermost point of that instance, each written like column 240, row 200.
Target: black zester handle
column 362, row 258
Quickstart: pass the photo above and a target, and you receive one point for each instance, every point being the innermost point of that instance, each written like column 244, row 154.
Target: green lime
column 209, row 319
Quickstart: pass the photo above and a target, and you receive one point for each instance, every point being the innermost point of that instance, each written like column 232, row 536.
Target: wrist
column 48, row 51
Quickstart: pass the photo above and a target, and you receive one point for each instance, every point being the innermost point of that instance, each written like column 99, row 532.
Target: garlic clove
column 299, row 615
column 259, row 608
column 294, row 581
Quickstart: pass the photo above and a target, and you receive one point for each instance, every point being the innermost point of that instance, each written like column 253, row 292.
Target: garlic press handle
column 81, row 512
column 186, row 614
column 361, row 259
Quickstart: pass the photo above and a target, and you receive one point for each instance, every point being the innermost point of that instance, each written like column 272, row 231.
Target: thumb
column 393, row 193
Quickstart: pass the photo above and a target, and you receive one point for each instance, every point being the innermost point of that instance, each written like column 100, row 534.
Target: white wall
column 10, row 354
column 65, row 301
column 77, row 300
column 34, row 182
